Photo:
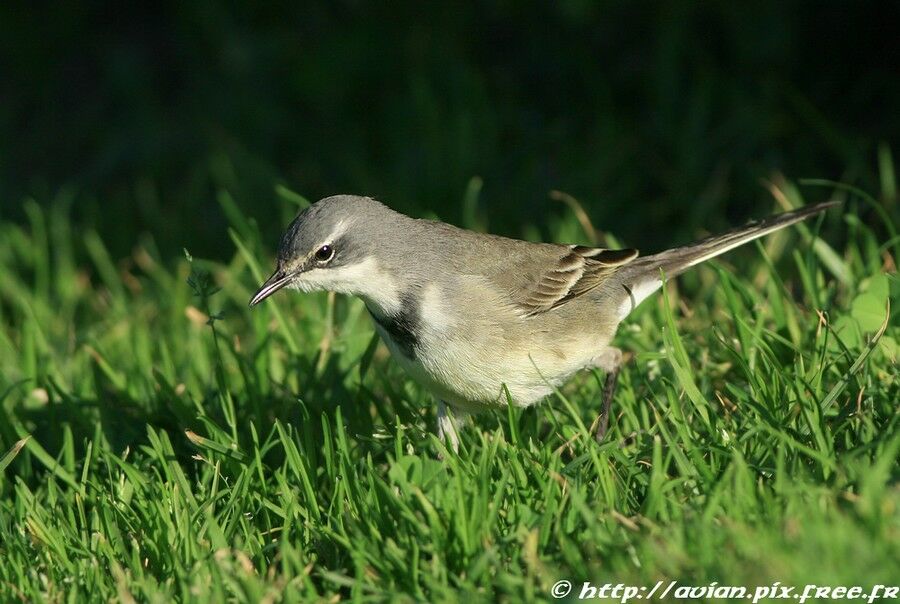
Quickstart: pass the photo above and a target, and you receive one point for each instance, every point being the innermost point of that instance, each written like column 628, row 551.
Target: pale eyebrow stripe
column 339, row 229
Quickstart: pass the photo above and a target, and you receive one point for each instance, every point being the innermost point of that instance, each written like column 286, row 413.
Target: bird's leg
column 446, row 427
column 609, row 361
column 609, row 388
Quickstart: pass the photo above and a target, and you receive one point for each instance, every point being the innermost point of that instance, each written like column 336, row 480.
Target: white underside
column 637, row 294
column 478, row 366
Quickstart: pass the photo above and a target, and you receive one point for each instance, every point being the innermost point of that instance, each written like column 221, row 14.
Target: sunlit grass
column 160, row 440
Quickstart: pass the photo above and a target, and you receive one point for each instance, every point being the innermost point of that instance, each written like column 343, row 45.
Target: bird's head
column 334, row 245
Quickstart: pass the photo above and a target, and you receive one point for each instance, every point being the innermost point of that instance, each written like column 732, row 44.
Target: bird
column 481, row 320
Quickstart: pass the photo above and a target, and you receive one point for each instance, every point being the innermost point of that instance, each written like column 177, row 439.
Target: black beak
column 278, row 280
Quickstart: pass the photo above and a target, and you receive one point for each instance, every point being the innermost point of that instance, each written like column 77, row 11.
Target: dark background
column 660, row 117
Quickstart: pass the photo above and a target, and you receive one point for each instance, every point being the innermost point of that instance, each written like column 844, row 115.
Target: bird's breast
column 470, row 357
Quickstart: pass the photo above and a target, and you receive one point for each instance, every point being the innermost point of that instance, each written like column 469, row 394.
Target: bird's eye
column 325, row 253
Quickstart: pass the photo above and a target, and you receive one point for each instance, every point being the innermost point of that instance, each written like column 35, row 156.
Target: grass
column 164, row 442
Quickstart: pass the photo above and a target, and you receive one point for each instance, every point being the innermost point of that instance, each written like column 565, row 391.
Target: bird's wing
column 577, row 271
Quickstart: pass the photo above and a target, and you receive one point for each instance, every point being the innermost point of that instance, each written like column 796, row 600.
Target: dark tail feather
column 641, row 277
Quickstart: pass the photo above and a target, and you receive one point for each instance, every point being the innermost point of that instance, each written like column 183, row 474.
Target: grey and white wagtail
column 470, row 315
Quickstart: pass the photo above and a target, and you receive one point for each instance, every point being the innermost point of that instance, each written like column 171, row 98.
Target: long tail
column 641, row 277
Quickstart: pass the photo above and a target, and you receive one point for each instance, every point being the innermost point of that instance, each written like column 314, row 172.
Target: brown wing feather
column 575, row 273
